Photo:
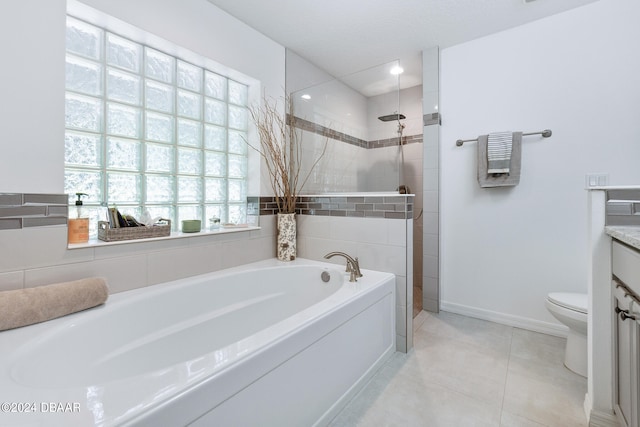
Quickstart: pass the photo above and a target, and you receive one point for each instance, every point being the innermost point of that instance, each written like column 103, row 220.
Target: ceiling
column 347, row 36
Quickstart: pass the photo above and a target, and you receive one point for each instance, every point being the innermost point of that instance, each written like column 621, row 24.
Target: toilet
column 571, row 310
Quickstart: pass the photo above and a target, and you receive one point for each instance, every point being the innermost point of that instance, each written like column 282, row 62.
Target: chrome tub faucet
column 353, row 267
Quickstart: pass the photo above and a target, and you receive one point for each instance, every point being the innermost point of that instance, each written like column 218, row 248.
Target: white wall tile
column 369, row 230
column 391, row 259
column 138, row 248
column 234, row 253
column 38, row 247
column 11, row 281
column 265, row 247
column 430, row 244
column 409, row 326
column 121, row 273
column 430, row 265
column 401, row 320
column 430, row 222
column 401, row 290
column 430, row 201
column 430, row 289
column 267, row 226
column 431, row 150
column 396, row 232
column 431, row 179
column 313, row 225
column 167, row 265
column 12, row 250
column 409, row 246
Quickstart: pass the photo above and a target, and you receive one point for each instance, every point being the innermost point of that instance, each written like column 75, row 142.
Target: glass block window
column 149, row 131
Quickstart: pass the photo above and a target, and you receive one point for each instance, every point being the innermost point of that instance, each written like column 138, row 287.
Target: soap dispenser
column 78, row 227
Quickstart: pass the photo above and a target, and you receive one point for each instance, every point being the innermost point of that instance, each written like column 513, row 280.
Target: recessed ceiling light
column 306, row 96
column 397, row 70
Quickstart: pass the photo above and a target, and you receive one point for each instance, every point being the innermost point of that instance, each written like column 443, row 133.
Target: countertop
column 627, row 234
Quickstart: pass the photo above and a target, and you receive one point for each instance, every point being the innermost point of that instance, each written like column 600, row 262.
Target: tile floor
column 468, row 372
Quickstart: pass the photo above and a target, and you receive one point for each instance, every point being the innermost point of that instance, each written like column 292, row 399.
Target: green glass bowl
column 191, row 225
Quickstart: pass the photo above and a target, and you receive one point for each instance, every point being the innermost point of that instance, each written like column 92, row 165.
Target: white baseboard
column 506, row 319
column 603, row 419
column 599, row 418
column 587, row 406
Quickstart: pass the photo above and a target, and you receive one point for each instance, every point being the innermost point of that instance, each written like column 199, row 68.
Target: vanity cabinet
column 626, row 324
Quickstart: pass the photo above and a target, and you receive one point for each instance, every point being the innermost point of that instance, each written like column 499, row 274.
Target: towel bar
column 545, row 134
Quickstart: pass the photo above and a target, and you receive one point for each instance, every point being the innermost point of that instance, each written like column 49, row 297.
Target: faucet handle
column 353, row 277
column 356, row 265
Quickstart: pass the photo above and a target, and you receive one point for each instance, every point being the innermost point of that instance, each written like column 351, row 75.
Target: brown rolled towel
column 24, row 307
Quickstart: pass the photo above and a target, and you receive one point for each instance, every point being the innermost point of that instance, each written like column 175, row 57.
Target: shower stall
column 374, row 132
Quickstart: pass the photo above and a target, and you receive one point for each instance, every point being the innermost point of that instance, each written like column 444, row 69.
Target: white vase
column 286, row 246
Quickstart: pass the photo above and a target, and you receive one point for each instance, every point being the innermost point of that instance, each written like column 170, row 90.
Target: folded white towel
column 499, row 145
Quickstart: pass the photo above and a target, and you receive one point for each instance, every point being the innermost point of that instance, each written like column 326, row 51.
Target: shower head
column 392, row 117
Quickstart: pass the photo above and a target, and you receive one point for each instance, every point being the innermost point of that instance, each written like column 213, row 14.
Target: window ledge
column 174, row 235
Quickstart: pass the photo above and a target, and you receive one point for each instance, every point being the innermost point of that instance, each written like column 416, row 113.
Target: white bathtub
column 266, row 344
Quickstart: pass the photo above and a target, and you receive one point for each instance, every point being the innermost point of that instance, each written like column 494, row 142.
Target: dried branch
column 281, row 148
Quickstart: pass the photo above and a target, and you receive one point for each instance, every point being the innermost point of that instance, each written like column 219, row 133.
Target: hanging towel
column 499, row 146
column 486, row 179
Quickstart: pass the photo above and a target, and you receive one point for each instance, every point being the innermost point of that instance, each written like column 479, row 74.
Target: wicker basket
column 131, row 233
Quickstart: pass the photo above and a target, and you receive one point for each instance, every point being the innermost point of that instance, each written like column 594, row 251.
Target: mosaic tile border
column 623, row 207
column 431, row 119
column 393, row 142
column 309, row 126
column 325, row 131
column 390, row 207
column 23, row 210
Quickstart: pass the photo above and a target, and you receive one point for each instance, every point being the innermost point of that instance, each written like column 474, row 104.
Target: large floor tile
column 545, row 393
column 537, row 347
column 400, row 401
column 474, row 370
column 467, row 329
column 510, row 420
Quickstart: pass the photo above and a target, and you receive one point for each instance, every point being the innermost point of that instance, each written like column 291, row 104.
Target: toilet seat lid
column 572, row 301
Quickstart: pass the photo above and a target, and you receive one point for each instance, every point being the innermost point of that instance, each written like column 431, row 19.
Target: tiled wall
column 324, row 131
column 35, row 256
column 431, row 180
column 396, row 207
column 623, row 207
column 18, row 210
